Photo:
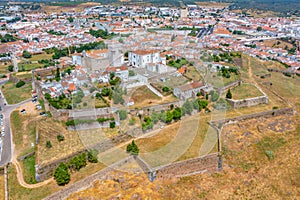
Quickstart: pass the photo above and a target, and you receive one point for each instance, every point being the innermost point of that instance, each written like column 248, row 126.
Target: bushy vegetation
column 61, row 102
column 62, row 175
column 228, row 94
column 225, row 72
column 60, row 137
column 8, row 38
column 178, row 63
column 173, row 113
column 20, row 84
column 132, row 148
column 58, row 53
column 77, row 162
column 101, row 120
column 101, row 33
column 122, row 114
column 26, row 54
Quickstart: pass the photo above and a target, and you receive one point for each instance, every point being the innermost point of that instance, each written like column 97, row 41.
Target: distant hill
column 284, row 6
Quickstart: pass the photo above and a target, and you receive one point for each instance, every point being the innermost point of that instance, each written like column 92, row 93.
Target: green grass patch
column 29, row 67
column 29, row 169
column 15, row 95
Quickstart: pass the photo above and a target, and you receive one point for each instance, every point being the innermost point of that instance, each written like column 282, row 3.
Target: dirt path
column 22, row 181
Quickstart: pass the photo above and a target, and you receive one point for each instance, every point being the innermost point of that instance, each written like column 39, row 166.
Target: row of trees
column 101, row 33
column 173, row 113
column 62, row 173
column 60, row 52
column 61, row 102
column 8, row 38
column 225, row 72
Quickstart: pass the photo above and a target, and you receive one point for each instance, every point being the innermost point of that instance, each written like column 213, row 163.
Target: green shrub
column 20, row 84
column 132, row 148
column 48, row 144
column 112, row 124
column 62, row 175
column 60, row 137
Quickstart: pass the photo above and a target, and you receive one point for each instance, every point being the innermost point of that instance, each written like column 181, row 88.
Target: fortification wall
column 231, row 85
column 45, row 171
column 248, row 102
column 208, row 163
column 267, row 114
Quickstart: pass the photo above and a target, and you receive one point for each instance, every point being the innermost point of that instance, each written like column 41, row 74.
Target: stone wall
column 208, row 163
column 231, row 85
column 248, row 102
column 58, row 114
column 270, row 113
column 45, row 171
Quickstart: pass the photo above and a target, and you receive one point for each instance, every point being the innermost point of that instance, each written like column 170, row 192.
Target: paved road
column 7, row 145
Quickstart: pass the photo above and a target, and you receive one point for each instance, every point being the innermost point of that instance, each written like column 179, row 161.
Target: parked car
column 42, row 113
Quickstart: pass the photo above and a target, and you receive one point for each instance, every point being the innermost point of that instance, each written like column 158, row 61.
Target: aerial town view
column 149, row 99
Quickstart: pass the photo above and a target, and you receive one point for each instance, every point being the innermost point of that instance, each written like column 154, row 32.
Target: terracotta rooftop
column 191, row 86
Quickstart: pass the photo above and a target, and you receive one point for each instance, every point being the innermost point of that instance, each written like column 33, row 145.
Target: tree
column 62, row 175
column 10, row 68
column 132, row 148
column 57, row 75
column 169, row 117
column 259, row 28
column 229, row 95
column 187, row 107
column 176, row 113
column 166, row 89
column 78, row 162
column 106, row 92
column 122, row 114
column 112, row 124
column 26, row 54
column 20, row 84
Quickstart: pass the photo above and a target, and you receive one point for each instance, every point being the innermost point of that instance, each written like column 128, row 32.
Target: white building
column 140, row 58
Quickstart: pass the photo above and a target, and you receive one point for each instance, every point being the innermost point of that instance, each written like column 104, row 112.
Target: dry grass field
column 213, row 4
column 1, row 186
column 15, row 95
column 277, row 44
column 144, row 97
column 48, row 130
column 23, row 129
column 245, row 91
column 258, row 13
column 247, row 173
column 193, row 74
column 68, row 8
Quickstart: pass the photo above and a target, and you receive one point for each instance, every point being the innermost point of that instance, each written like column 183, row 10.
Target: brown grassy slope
column 248, row 173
